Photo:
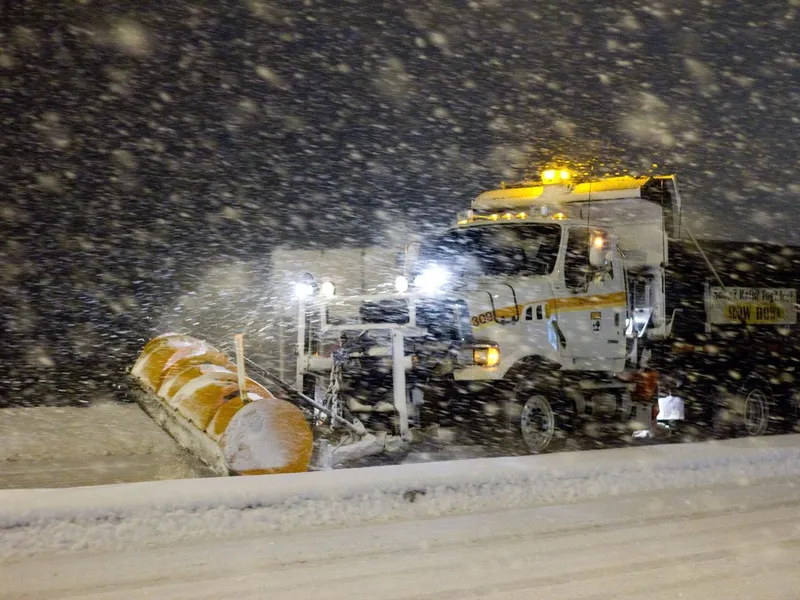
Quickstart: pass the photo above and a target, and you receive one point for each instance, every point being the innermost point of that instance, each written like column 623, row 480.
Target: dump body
column 714, row 353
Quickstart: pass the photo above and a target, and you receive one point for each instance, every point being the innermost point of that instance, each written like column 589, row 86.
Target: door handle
column 561, row 339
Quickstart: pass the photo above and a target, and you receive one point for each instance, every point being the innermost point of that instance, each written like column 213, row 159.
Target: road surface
column 721, row 542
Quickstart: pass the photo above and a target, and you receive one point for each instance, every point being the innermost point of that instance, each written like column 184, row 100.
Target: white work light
column 328, row 289
column 401, row 284
column 431, row 279
column 303, row 290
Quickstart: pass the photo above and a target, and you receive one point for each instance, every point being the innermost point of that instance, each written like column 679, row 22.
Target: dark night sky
column 144, row 142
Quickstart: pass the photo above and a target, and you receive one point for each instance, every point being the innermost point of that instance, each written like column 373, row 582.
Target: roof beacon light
column 555, row 176
column 465, row 216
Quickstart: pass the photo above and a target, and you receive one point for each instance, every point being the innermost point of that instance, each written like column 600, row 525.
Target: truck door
column 590, row 303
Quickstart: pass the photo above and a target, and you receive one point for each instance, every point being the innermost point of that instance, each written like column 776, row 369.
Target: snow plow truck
column 542, row 312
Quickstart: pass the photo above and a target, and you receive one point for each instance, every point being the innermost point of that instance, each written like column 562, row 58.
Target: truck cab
column 535, row 285
column 571, row 273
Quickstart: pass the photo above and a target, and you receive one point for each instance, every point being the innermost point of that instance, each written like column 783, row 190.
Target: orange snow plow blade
column 191, row 390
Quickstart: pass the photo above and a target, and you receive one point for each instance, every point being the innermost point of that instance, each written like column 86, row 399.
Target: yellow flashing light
column 559, row 216
column 552, row 176
column 599, row 242
column 471, row 217
column 465, row 217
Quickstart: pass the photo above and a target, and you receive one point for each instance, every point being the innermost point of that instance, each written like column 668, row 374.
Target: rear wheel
column 747, row 413
column 756, row 412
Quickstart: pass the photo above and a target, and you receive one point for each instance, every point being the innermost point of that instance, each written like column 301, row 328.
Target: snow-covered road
column 705, row 543
column 706, row 521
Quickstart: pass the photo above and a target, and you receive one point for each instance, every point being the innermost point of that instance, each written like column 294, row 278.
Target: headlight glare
column 431, row 279
column 303, row 290
column 486, row 357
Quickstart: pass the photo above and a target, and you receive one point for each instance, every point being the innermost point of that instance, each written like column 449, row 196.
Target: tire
column 747, row 414
column 538, row 419
column 756, row 413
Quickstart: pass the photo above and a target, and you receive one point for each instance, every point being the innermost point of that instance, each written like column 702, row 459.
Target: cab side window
column 577, row 269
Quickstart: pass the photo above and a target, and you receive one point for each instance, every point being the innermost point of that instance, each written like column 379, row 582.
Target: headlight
column 328, row 289
column 486, row 357
column 401, row 284
column 431, row 279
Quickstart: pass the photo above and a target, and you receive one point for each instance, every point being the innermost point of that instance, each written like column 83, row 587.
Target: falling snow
column 165, row 145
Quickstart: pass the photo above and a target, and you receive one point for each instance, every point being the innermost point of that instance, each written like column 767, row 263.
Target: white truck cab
column 566, row 272
column 534, row 286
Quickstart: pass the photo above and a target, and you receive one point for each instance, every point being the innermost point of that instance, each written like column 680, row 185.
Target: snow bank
column 64, row 433
column 102, row 443
column 117, row 516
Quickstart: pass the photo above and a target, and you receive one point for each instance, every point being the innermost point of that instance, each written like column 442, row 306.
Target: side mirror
column 597, row 257
column 410, row 259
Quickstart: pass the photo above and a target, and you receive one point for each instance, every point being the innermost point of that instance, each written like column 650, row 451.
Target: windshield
column 513, row 249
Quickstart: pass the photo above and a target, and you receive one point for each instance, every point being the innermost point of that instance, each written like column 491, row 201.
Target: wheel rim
column 755, row 413
column 538, row 423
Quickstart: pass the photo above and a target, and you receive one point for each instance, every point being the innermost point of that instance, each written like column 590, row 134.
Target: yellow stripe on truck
column 571, row 304
column 585, row 303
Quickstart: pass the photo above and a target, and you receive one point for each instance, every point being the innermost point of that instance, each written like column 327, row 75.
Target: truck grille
column 445, row 320
column 385, row 311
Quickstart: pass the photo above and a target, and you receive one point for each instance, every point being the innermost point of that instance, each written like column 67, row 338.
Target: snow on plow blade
column 191, row 390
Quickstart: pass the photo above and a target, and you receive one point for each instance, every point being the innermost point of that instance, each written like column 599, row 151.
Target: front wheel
column 537, row 424
column 538, row 418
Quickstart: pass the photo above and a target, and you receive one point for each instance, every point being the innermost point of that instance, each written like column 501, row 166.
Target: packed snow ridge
column 126, row 515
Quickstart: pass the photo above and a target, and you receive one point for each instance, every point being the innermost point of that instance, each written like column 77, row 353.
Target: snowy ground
column 713, row 520
column 708, row 543
column 71, row 446
column 106, row 443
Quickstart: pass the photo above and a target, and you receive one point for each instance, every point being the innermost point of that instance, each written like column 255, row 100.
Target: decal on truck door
column 596, row 318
